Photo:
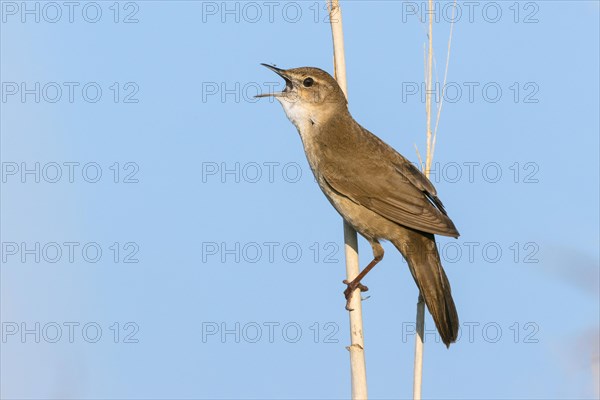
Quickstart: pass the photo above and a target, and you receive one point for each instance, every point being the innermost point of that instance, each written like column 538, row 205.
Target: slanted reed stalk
column 356, row 348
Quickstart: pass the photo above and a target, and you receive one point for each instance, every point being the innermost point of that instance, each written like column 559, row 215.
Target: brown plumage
column 374, row 188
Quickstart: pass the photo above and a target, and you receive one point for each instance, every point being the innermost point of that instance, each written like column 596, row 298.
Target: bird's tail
column 420, row 251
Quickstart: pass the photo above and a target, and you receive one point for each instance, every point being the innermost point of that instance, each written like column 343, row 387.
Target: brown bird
column 375, row 189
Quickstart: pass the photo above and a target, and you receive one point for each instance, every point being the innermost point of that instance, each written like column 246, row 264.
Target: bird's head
column 310, row 96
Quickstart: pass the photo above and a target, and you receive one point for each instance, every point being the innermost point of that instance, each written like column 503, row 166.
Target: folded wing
column 396, row 189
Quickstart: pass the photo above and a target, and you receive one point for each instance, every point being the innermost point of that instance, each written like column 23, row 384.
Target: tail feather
column 420, row 251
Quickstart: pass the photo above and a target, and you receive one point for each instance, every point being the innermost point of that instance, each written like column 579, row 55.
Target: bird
column 375, row 189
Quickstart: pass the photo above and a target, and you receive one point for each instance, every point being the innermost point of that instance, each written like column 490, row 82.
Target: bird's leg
column 355, row 284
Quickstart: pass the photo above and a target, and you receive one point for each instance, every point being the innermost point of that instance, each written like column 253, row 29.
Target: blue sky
column 169, row 240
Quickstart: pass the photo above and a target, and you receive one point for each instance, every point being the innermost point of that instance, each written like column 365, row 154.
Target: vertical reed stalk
column 356, row 348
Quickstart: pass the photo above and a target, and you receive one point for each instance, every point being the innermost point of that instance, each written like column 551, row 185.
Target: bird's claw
column 352, row 286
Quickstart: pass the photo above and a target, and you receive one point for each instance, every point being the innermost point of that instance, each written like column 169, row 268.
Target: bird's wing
column 388, row 184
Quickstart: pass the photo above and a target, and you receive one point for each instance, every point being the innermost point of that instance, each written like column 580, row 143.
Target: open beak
column 282, row 73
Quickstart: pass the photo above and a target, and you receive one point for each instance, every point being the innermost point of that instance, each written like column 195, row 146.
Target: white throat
column 303, row 117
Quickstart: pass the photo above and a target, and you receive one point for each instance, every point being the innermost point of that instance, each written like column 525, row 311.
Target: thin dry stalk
column 439, row 110
column 418, row 365
column 356, row 348
column 428, row 84
column 418, row 376
column 431, row 142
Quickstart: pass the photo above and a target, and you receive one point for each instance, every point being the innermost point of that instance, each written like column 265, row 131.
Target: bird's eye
column 308, row 82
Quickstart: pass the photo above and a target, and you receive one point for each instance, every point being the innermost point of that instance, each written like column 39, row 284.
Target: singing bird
column 376, row 190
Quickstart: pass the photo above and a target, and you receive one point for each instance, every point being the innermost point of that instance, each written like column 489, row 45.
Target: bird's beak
column 283, row 73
